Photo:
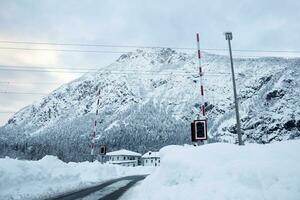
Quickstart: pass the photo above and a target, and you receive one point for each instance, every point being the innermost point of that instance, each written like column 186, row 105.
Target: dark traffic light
column 199, row 130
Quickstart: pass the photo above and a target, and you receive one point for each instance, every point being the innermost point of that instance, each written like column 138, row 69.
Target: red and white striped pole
column 95, row 125
column 202, row 108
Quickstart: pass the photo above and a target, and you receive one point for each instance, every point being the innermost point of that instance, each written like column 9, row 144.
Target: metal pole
column 228, row 36
column 202, row 109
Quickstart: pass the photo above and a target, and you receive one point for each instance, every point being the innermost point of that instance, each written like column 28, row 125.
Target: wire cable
column 64, row 50
column 29, row 93
column 156, row 73
column 138, row 46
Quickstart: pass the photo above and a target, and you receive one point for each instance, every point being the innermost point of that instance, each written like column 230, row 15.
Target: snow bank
column 21, row 179
column 224, row 171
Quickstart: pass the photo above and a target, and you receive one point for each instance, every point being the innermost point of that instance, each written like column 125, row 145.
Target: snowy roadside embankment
column 21, row 179
column 224, row 171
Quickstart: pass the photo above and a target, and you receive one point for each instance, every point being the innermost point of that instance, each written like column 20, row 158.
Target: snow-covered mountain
column 148, row 99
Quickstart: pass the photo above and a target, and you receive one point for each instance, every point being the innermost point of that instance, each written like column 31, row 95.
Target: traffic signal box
column 103, row 150
column 199, row 130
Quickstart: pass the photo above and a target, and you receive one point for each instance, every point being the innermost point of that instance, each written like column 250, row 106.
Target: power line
column 137, row 46
column 126, row 52
column 49, row 67
column 52, row 83
column 120, row 84
column 29, row 83
column 211, row 98
column 93, row 45
column 64, row 50
column 156, row 73
column 84, row 68
column 29, row 93
column 44, row 71
column 111, row 71
column 99, row 69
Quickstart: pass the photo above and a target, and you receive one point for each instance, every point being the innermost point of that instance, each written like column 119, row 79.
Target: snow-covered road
column 49, row 177
column 109, row 190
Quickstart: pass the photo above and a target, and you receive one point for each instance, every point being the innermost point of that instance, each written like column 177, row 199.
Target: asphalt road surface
column 109, row 190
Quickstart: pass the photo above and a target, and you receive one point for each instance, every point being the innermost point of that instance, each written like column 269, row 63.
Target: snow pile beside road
column 21, row 179
column 224, row 171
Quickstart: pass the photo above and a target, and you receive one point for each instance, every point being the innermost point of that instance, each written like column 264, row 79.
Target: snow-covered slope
column 224, row 171
column 148, row 99
column 50, row 176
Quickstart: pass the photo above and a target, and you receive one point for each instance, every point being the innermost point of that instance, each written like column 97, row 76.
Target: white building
column 123, row 157
column 151, row 159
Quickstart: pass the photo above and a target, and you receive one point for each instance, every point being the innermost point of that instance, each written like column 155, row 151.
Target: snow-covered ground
column 215, row 172
column 224, row 171
column 21, row 179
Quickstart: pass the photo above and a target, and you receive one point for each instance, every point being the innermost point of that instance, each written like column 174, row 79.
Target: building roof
column 122, row 161
column 123, row 152
column 150, row 154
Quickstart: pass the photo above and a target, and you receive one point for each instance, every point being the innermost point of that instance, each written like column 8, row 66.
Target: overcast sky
column 256, row 24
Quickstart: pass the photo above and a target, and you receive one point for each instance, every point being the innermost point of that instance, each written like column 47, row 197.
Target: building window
column 124, row 158
column 151, row 161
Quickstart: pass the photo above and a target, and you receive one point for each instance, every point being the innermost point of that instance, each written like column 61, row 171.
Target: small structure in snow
column 151, row 159
column 123, row 157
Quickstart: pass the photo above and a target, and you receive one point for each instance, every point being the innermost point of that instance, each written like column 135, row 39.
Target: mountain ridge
column 149, row 97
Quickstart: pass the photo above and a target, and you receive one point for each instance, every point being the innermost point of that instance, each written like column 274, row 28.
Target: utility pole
column 228, row 36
